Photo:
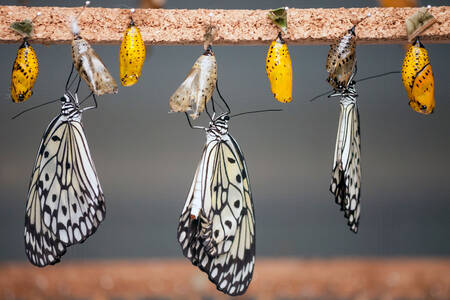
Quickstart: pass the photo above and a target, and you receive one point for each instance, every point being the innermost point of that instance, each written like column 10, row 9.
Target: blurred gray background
column 146, row 158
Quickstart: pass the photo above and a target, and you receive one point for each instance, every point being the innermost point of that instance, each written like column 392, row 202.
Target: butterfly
column 346, row 173
column 65, row 200
column 216, row 228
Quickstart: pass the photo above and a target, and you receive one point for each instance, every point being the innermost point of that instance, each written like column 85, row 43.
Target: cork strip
column 234, row 27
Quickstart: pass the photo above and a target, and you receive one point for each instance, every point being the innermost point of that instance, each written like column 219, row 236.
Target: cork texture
column 243, row 27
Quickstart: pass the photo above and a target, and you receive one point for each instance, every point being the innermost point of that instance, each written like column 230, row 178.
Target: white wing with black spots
column 220, row 239
column 65, row 201
column 346, row 173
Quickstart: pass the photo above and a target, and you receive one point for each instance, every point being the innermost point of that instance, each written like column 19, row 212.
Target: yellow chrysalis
column 131, row 55
column 26, row 67
column 417, row 77
column 24, row 73
column 279, row 70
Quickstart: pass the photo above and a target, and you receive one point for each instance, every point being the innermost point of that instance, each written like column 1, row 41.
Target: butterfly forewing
column 346, row 173
column 65, row 200
column 221, row 241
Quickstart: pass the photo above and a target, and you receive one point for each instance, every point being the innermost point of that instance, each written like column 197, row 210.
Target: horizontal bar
column 234, row 27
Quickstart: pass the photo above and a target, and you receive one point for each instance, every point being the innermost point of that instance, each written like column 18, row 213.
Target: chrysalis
column 417, row 75
column 25, row 68
column 279, row 70
column 132, row 55
column 341, row 60
column 89, row 65
column 278, row 61
column 417, row 78
column 198, row 87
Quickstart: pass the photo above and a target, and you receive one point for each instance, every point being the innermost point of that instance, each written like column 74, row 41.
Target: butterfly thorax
column 218, row 127
column 70, row 110
column 348, row 95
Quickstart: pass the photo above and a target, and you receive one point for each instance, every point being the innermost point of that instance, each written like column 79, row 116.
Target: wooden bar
column 285, row 278
column 235, row 27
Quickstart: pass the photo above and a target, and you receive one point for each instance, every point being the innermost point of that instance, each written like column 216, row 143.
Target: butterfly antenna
column 323, row 94
column 220, row 95
column 255, row 111
column 379, row 75
column 78, row 85
column 34, row 107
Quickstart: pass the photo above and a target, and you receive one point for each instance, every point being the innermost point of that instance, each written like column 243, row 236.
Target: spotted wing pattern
column 346, row 174
column 65, row 201
column 217, row 227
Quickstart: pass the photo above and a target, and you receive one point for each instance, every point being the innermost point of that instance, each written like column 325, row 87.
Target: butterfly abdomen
column 279, row 70
column 132, row 55
column 418, row 80
column 24, row 73
column 341, row 60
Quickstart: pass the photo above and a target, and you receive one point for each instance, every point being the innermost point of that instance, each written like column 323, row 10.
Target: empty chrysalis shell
column 279, row 70
column 89, row 65
column 26, row 67
column 417, row 78
column 132, row 55
column 418, row 22
column 198, row 87
column 24, row 73
column 341, row 60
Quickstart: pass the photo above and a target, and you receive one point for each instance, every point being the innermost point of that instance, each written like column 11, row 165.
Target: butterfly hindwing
column 346, row 174
column 221, row 240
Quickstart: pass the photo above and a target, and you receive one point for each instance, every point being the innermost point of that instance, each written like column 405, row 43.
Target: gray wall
column 146, row 157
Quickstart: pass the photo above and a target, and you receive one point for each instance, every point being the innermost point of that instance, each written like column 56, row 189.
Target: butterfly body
column 346, row 172
column 279, row 70
column 217, row 227
column 132, row 55
column 341, row 60
column 24, row 73
column 91, row 68
column 418, row 79
column 65, row 200
column 198, row 87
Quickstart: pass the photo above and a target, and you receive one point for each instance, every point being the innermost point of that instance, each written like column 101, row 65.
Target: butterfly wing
column 41, row 245
column 221, row 242
column 65, row 194
column 346, row 173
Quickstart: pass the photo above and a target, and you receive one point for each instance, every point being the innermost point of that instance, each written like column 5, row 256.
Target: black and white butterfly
column 346, row 173
column 216, row 229
column 65, row 200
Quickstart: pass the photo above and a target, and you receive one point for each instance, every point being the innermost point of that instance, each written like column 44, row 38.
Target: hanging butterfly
column 346, row 173
column 216, row 229
column 198, row 87
column 26, row 67
column 65, row 200
column 89, row 65
column 132, row 55
column 279, row 70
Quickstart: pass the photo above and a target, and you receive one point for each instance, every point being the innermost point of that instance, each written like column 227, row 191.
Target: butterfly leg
column 220, row 95
column 190, row 124
column 90, row 107
column 68, row 79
